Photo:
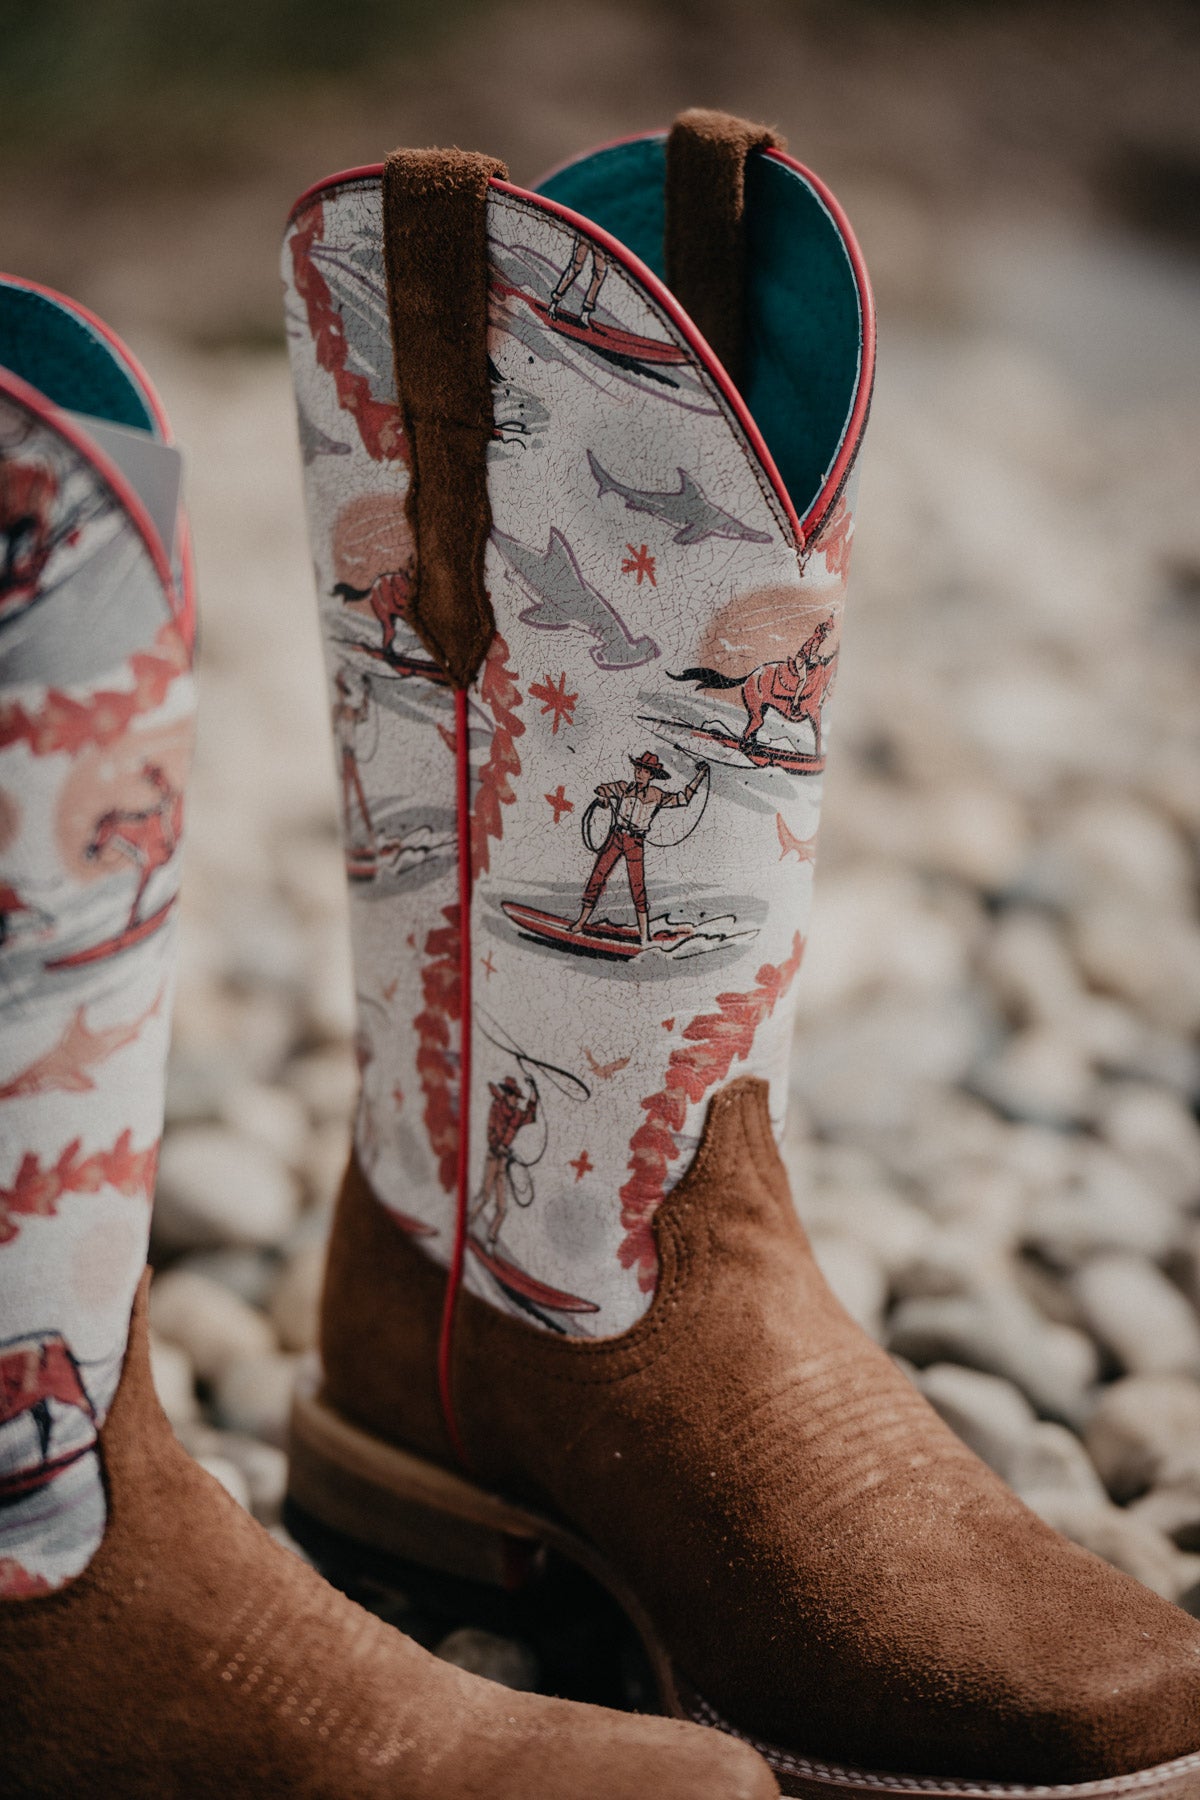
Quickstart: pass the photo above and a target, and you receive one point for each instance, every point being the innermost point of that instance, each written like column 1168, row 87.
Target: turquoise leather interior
column 803, row 313
column 67, row 359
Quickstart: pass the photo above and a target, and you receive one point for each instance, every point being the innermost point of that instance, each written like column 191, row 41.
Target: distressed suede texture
column 195, row 1659
column 435, row 256
column 827, row 1565
column 705, row 239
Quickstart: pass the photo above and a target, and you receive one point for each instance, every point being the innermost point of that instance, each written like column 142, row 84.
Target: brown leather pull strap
column 705, row 232
column 435, row 255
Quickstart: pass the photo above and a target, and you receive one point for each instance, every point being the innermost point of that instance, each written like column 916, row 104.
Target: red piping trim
column 186, row 614
column 41, row 408
column 699, row 345
column 462, row 748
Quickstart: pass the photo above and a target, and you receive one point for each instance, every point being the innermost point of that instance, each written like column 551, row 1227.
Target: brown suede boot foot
column 195, row 1659
column 818, row 1562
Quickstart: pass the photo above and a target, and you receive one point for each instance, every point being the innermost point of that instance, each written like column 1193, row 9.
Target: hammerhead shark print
column 686, row 507
column 563, row 600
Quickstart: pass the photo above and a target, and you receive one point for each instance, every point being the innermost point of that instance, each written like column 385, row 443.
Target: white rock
column 329, row 1002
column 896, row 1231
column 1154, row 962
column 1144, row 1432
column 216, row 1188
column 1027, row 961
column 1139, row 1316
column 866, row 1071
column 998, row 1330
column 262, row 1468
column 1106, row 1205
column 874, row 929
column 207, row 1320
column 1040, row 1074
column 986, row 1412
column 272, row 1117
column 229, row 1476
column 1156, row 1130
column 512, row 1664
column 856, row 1278
column 1175, row 1511
column 327, row 1082
column 1121, row 1539
column 255, row 1396
column 250, row 1274
column 1051, row 1462
column 325, row 1163
column 296, row 1301
column 171, row 1372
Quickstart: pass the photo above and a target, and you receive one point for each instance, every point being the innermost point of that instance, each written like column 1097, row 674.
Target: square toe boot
column 155, row 1642
column 579, row 469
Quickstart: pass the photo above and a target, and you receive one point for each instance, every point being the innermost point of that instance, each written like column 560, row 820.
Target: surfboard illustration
column 527, row 1287
column 399, row 664
column 123, row 940
column 598, row 938
column 607, row 340
column 758, row 756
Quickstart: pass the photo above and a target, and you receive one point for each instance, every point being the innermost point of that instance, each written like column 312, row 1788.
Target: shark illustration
column 684, row 506
column 314, row 442
column 564, row 601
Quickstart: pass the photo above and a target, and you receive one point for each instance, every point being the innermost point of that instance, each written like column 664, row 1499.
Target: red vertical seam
column 454, row 1279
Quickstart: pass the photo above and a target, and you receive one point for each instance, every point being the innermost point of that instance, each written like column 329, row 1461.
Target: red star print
column 560, row 803
column 489, row 966
column 582, row 1164
column 556, row 700
column 398, row 1097
column 669, row 1024
column 639, row 562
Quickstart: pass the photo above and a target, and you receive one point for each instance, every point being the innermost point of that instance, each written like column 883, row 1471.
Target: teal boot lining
column 804, row 325
column 64, row 357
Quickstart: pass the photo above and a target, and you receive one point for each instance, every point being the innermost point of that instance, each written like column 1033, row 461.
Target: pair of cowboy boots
column 579, row 467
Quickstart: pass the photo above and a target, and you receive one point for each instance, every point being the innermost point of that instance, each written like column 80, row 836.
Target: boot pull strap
column 706, row 222
column 435, row 257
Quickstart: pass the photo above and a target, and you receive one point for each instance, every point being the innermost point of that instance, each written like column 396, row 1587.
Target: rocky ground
column 994, row 1140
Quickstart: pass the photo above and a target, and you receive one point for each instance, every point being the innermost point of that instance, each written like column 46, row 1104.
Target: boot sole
column 406, row 1509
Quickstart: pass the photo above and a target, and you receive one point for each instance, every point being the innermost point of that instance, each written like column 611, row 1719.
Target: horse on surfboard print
column 795, row 687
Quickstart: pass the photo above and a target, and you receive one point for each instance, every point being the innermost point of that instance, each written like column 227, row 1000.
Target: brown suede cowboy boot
column 155, row 1643
column 580, row 563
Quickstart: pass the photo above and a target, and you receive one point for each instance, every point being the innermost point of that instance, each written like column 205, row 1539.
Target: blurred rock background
column 995, row 1139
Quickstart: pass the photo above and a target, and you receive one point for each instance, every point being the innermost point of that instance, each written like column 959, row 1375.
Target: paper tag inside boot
column 154, row 470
